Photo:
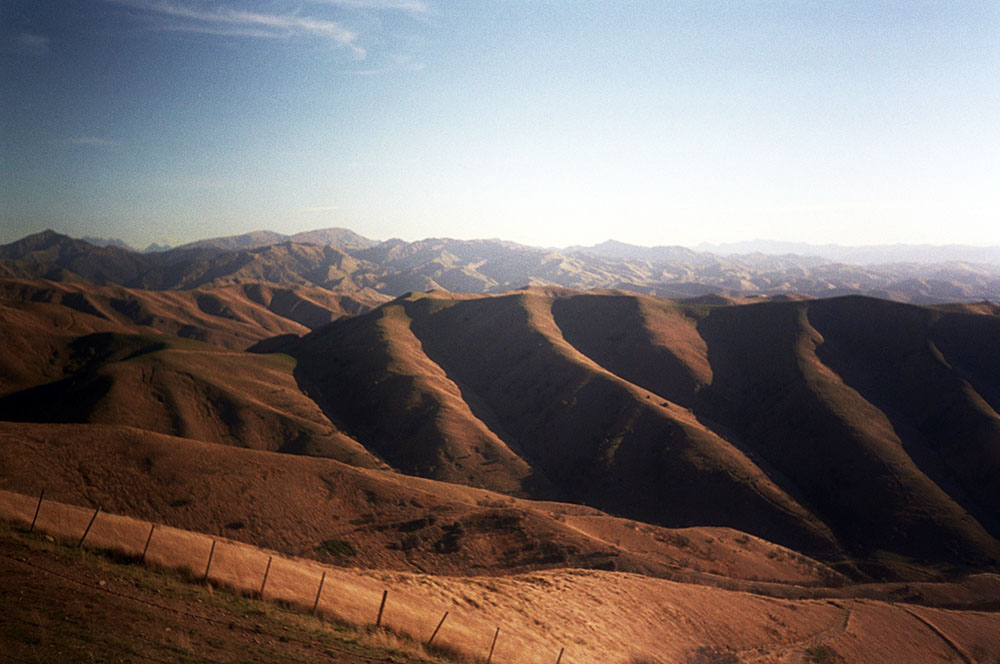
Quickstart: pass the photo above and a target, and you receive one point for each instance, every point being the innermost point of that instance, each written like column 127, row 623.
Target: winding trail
column 957, row 649
column 786, row 650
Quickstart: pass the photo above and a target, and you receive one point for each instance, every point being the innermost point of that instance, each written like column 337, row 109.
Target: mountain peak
column 47, row 239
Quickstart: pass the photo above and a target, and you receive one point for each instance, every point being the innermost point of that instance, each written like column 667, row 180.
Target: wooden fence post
column 559, row 658
column 381, row 608
column 436, row 629
column 209, row 565
column 37, row 509
column 489, row 658
column 267, row 571
column 319, row 592
column 89, row 525
column 149, row 538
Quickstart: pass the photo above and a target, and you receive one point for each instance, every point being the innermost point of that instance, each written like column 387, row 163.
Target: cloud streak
column 25, row 43
column 226, row 21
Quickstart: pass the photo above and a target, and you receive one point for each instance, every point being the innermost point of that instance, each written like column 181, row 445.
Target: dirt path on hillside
column 957, row 649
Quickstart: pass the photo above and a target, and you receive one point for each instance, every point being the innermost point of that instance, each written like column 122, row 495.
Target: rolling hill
column 751, row 444
column 294, row 504
column 765, row 417
column 857, row 431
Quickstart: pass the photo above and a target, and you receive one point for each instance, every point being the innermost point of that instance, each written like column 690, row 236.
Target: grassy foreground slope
column 589, row 615
column 66, row 605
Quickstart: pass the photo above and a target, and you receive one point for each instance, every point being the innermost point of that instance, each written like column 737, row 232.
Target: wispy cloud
column 25, row 43
column 321, row 208
column 222, row 20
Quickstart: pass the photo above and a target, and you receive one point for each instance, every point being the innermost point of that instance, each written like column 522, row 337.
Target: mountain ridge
column 784, row 419
column 342, row 261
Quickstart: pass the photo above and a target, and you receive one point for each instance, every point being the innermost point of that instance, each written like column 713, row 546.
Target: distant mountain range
column 865, row 255
column 857, row 255
column 344, row 262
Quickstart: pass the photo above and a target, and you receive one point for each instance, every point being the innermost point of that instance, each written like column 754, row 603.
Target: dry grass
column 595, row 616
column 829, row 426
column 294, row 504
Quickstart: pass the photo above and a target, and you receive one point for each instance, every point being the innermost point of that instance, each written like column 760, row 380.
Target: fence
column 348, row 596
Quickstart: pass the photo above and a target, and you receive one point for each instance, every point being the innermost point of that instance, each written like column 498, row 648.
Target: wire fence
column 333, row 593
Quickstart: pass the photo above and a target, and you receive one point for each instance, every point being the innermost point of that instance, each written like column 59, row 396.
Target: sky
column 550, row 123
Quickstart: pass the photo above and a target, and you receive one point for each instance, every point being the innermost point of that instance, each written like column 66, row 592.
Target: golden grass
column 595, row 616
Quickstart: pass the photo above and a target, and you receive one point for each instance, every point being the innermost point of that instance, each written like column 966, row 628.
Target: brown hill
column 776, row 387
column 183, row 387
column 747, row 416
column 49, row 255
column 232, row 316
column 845, row 427
column 323, row 509
column 88, row 354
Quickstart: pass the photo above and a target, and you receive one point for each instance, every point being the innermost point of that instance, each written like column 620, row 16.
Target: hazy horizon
column 546, row 123
column 858, row 254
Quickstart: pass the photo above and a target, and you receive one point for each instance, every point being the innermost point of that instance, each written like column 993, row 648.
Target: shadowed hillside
column 187, row 389
column 332, row 512
column 748, row 416
column 851, row 429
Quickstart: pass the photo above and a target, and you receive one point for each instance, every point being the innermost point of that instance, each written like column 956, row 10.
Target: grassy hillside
column 850, row 429
column 66, row 605
column 592, row 616
column 374, row 519
column 185, row 388
column 774, row 418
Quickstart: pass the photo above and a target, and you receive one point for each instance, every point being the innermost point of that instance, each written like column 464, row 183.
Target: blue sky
column 544, row 122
